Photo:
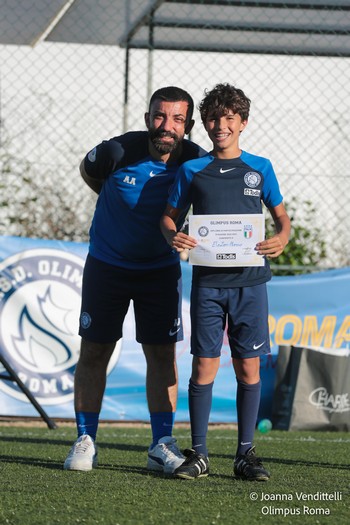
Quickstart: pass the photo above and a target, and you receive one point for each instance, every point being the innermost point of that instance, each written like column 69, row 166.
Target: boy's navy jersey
column 125, row 228
column 227, row 186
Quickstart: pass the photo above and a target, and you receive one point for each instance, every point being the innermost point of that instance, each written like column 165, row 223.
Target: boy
column 221, row 183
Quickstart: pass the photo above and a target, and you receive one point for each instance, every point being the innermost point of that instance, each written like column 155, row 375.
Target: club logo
column 203, row 231
column 40, row 294
column 252, row 179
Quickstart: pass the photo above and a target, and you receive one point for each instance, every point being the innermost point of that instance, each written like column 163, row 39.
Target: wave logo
column 40, row 295
column 323, row 400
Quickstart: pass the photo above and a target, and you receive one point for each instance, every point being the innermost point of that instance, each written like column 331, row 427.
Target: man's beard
column 156, row 135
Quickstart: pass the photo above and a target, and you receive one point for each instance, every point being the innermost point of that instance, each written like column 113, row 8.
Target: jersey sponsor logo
column 225, row 171
column 40, row 297
column 92, row 155
column 252, row 179
column 252, row 193
column 130, row 180
column 225, row 256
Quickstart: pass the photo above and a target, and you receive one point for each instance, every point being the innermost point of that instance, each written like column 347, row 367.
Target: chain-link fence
column 75, row 72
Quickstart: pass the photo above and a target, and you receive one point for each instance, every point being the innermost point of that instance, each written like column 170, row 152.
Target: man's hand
column 181, row 241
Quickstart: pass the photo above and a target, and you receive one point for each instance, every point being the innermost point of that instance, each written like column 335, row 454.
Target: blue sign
column 40, row 289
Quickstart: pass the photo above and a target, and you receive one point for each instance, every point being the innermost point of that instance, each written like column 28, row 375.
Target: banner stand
column 12, row 376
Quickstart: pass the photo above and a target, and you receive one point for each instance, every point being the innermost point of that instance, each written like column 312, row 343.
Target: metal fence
column 87, row 74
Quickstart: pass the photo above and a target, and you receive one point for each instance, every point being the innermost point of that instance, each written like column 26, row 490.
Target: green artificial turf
column 309, row 481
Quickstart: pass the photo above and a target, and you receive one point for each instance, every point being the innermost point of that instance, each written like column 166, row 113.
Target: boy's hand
column 272, row 247
column 181, row 241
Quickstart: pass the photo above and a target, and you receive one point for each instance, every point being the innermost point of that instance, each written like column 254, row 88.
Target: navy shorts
column 106, row 296
column 243, row 310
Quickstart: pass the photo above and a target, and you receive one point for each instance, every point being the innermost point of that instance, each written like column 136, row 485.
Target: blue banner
column 40, row 288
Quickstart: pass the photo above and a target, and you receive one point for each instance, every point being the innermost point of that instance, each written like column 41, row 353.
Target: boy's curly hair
column 222, row 98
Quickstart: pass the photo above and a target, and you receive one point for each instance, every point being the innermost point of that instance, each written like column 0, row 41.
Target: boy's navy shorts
column 106, row 296
column 243, row 310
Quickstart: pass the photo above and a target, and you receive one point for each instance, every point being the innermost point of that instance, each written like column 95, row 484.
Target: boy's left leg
column 249, row 338
column 247, row 400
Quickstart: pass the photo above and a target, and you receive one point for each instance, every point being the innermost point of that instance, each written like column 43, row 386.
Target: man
column 129, row 259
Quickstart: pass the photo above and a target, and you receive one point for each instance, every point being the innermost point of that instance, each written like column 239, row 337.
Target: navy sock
column 199, row 400
column 162, row 425
column 87, row 423
column 247, row 402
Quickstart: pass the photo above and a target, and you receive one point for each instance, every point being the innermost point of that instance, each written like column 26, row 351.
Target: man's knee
column 160, row 354
column 95, row 354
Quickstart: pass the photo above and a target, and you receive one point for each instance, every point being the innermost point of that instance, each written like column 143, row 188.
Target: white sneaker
column 165, row 456
column 82, row 455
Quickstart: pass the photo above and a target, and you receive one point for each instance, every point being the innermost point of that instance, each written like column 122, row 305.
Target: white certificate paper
column 226, row 240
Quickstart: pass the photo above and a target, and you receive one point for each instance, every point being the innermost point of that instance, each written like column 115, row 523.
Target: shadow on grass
column 33, row 462
column 135, row 448
column 307, row 463
column 58, row 465
column 130, row 469
column 299, row 462
column 126, row 469
column 69, row 443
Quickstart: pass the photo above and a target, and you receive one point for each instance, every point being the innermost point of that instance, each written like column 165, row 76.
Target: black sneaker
column 194, row 466
column 249, row 467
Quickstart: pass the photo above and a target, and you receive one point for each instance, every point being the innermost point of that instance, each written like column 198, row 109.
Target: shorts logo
column 40, row 296
column 176, row 328
column 252, row 179
column 85, row 320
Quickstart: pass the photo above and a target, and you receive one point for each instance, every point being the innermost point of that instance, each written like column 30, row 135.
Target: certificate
column 227, row 240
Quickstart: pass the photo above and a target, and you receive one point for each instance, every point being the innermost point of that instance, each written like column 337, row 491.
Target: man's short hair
column 223, row 98
column 174, row 94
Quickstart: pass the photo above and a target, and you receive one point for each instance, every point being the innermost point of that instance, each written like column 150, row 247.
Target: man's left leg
column 161, row 389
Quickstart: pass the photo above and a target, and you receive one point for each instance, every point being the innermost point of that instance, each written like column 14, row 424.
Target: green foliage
column 306, row 248
column 43, row 204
